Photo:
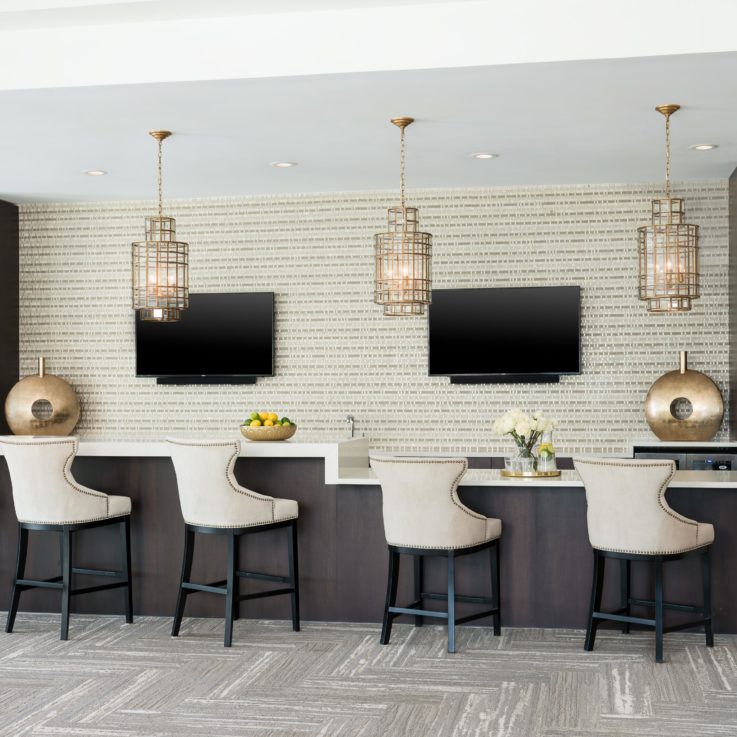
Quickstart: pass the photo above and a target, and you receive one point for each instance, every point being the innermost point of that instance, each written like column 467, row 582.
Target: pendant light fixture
column 669, row 247
column 402, row 254
column 160, row 263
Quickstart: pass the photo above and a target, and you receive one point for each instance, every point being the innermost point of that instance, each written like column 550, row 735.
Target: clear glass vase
column 521, row 461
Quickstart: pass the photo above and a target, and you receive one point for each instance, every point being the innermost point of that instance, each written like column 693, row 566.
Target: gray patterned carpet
column 335, row 680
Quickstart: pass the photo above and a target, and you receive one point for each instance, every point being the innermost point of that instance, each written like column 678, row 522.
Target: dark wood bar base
column 546, row 557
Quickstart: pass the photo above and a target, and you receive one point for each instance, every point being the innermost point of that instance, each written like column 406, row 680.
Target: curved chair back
column 44, row 490
column 421, row 505
column 627, row 511
column 209, row 494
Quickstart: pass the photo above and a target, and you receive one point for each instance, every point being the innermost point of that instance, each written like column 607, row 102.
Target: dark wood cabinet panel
column 9, row 317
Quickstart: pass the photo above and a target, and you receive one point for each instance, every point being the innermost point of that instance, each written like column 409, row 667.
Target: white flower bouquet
column 525, row 430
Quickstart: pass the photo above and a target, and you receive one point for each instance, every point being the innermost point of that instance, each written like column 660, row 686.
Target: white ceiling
column 562, row 90
column 27, row 14
column 559, row 123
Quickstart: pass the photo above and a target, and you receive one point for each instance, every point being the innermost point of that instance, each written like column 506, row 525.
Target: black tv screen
column 229, row 334
column 505, row 331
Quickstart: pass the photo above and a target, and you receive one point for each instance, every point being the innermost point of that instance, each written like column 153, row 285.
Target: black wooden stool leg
column 186, row 574
column 20, row 569
column 658, row 611
column 495, row 593
column 229, row 592
column 66, row 578
column 597, row 587
column 625, row 593
column 125, row 541
column 294, row 573
column 419, row 580
column 706, row 579
column 391, row 596
column 237, row 579
column 451, row 601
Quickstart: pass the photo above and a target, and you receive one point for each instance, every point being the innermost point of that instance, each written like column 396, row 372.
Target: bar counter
column 546, row 557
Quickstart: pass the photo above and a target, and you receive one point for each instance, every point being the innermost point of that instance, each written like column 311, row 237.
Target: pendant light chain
column 160, row 178
column 402, row 159
column 667, row 156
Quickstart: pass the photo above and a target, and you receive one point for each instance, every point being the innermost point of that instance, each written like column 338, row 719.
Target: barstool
column 423, row 516
column 213, row 503
column 630, row 520
column 48, row 498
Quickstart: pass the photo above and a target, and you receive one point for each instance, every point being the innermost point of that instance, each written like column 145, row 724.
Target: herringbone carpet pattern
column 335, row 680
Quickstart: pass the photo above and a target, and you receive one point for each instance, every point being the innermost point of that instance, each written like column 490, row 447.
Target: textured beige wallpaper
column 335, row 353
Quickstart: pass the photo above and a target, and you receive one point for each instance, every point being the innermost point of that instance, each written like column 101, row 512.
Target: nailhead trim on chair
column 443, row 547
column 453, row 489
column 661, row 495
column 72, row 521
column 70, row 480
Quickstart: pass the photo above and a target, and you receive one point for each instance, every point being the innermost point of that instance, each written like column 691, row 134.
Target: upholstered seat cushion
column 704, row 534
column 493, row 528
column 285, row 509
column 118, row 506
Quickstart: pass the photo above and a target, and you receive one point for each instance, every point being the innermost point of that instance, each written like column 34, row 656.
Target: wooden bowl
column 277, row 432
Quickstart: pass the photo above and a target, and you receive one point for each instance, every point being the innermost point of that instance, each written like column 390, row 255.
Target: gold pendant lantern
column 160, row 264
column 669, row 247
column 402, row 254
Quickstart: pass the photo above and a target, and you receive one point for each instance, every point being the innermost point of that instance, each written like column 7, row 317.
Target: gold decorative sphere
column 42, row 404
column 684, row 405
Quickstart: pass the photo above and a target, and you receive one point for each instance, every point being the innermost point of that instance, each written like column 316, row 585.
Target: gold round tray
column 528, row 474
column 278, row 432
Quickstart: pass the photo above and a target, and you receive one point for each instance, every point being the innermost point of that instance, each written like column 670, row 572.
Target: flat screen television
column 222, row 338
column 505, row 334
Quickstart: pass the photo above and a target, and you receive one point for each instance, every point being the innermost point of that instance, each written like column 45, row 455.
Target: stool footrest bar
column 48, row 583
column 608, row 616
column 102, row 587
column 666, row 605
column 210, row 588
column 459, row 597
column 97, row 572
column 263, row 576
column 417, row 612
column 478, row 615
column 262, row 594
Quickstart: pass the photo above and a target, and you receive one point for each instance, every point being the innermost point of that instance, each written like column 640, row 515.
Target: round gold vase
column 42, row 404
column 684, row 405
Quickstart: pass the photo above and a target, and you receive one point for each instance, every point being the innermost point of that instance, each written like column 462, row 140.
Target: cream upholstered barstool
column 48, row 498
column 213, row 503
column 423, row 516
column 630, row 520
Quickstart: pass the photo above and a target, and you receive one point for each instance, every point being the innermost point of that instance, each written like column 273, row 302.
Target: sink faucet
column 351, row 421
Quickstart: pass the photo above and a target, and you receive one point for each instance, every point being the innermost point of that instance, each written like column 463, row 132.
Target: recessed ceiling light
column 283, row 164
column 95, row 173
column 703, row 146
column 484, row 156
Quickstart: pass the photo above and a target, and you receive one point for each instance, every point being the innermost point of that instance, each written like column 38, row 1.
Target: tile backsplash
column 335, row 353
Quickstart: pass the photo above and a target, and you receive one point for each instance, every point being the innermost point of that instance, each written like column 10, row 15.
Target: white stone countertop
column 567, row 479
column 346, row 462
column 340, row 455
